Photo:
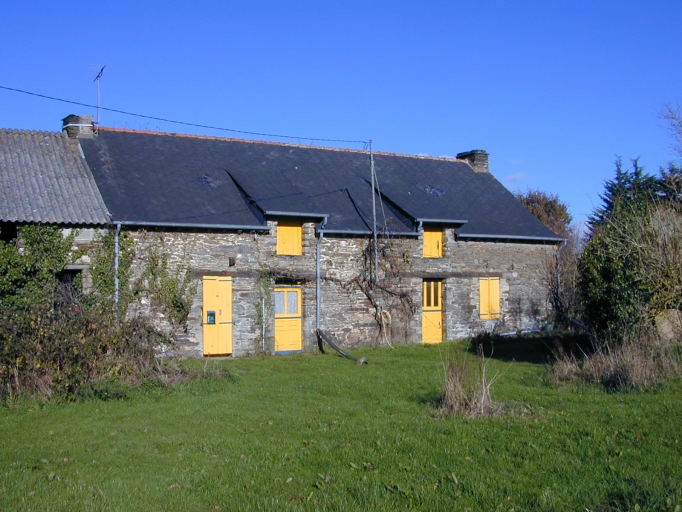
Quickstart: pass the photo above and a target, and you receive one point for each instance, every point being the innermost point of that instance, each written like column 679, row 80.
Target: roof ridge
column 286, row 144
column 30, row 132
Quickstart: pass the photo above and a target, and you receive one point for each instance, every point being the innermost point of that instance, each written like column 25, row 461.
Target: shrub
column 56, row 340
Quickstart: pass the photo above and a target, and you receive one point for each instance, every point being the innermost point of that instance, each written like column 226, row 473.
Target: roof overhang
column 191, row 225
column 516, row 238
column 297, row 214
column 450, row 222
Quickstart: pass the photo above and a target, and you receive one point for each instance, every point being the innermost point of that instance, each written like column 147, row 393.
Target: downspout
column 558, row 266
column 318, row 292
column 116, row 257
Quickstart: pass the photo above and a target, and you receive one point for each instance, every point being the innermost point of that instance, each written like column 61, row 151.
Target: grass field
column 316, row 432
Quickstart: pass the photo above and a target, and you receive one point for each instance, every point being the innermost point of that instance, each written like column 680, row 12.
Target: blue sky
column 554, row 91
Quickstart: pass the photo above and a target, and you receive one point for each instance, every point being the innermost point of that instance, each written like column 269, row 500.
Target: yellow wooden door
column 288, row 319
column 432, row 311
column 217, row 315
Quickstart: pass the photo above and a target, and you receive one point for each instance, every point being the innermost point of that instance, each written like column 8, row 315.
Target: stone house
column 281, row 238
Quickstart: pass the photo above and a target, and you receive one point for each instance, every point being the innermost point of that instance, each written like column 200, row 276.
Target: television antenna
column 98, row 79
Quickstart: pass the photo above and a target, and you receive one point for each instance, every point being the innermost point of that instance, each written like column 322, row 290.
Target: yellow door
column 288, row 319
column 217, row 315
column 432, row 311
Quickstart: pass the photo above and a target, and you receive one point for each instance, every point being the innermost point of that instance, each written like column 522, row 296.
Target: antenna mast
column 98, row 78
column 374, row 214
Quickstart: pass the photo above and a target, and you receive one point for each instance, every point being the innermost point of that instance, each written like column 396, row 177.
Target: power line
column 181, row 122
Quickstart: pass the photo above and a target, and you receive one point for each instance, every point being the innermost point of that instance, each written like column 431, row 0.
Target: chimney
column 78, row 127
column 477, row 158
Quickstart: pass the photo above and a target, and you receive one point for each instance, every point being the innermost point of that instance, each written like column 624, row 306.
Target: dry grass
column 640, row 362
column 467, row 388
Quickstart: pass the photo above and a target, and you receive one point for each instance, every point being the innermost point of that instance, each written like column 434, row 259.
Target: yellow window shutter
column 494, row 297
column 483, row 299
column 289, row 238
column 433, row 243
column 489, row 298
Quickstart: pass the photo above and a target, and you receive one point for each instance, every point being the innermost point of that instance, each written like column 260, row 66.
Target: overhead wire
column 184, row 123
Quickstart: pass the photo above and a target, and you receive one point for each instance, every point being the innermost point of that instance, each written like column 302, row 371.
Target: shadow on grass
column 432, row 398
column 535, row 348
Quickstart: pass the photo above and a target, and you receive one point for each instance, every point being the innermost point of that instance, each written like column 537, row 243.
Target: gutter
column 352, row 232
column 442, row 221
column 299, row 214
column 513, row 237
column 199, row 226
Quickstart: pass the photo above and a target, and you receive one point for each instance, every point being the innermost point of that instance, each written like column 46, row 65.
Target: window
column 489, row 298
column 433, row 243
column 432, row 289
column 289, row 238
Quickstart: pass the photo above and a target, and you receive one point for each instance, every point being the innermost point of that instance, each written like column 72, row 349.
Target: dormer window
column 433, row 242
column 289, row 238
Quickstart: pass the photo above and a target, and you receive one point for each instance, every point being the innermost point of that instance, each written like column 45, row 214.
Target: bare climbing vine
column 386, row 294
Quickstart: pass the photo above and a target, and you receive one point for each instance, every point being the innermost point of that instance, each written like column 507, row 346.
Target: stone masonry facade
column 354, row 310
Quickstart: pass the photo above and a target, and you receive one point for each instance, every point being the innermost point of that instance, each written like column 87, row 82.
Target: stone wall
column 351, row 307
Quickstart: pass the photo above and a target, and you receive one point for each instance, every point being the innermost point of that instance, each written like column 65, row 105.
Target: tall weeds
column 639, row 362
column 466, row 391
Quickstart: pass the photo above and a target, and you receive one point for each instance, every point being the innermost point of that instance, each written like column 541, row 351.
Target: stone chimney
column 78, row 127
column 477, row 158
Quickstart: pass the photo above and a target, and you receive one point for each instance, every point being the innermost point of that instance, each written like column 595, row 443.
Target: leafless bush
column 640, row 362
column 467, row 388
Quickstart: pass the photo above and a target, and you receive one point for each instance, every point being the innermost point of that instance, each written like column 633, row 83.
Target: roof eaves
column 511, row 237
column 191, row 225
column 297, row 214
column 443, row 221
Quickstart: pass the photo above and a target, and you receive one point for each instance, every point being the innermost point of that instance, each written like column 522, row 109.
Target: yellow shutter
column 489, row 298
column 433, row 243
column 483, row 299
column 494, row 297
column 289, row 238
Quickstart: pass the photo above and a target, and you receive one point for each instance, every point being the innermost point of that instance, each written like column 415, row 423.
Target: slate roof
column 168, row 179
column 44, row 178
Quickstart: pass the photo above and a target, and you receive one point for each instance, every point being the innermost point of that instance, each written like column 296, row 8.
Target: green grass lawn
column 316, row 432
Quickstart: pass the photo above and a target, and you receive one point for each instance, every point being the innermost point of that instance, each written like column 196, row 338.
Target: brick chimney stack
column 477, row 158
column 78, row 127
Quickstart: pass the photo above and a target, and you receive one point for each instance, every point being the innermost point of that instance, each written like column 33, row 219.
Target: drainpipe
column 318, row 293
column 262, row 327
column 116, row 284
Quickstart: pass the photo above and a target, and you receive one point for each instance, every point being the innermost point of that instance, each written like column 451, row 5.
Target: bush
column 57, row 348
column 55, row 340
column 630, row 269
